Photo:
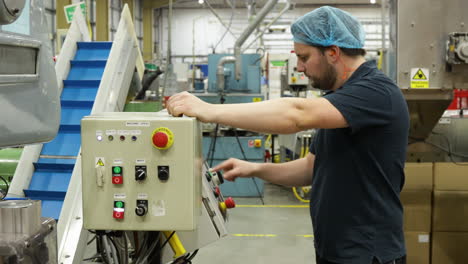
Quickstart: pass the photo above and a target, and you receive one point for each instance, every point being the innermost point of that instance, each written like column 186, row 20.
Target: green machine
column 9, row 158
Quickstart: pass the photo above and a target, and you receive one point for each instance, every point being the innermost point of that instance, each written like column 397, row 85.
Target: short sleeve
column 363, row 104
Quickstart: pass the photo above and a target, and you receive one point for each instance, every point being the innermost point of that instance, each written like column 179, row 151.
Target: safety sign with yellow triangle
column 419, row 78
column 419, row 75
column 100, row 161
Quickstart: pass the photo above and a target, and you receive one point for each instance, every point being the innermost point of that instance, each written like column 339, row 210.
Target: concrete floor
column 264, row 235
column 278, row 232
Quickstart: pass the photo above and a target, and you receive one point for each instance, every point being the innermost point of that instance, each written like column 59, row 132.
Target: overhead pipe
column 243, row 37
column 286, row 8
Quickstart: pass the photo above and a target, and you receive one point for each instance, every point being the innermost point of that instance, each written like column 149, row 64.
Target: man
column 356, row 160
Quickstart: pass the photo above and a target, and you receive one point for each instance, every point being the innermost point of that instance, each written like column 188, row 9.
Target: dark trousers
column 401, row 260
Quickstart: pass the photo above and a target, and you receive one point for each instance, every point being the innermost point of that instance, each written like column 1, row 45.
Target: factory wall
column 199, row 32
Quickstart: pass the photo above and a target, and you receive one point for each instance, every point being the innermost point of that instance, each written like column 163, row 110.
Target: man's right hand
column 234, row 168
column 188, row 104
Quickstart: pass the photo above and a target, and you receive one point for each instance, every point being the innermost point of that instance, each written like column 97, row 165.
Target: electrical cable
column 245, row 158
column 149, row 251
column 167, row 240
column 190, row 257
column 114, row 249
column 212, row 148
column 448, row 151
column 103, row 247
column 227, row 29
column 91, row 241
column 140, row 248
column 146, row 84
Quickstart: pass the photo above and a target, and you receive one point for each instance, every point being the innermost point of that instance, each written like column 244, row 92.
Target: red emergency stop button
column 230, row 203
column 162, row 138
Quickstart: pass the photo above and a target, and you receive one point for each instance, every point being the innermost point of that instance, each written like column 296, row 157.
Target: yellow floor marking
column 271, row 206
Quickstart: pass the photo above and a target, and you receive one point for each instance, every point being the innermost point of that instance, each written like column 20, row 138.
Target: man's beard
column 327, row 80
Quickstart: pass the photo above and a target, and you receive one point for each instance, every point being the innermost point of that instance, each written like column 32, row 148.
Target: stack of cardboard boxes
column 416, row 198
column 450, row 214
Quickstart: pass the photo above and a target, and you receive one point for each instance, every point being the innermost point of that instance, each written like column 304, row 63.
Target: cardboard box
column 449, row 248
column 418, row 250
column 417, row 214
column 450, row 211
column 418, row 176
column 450, row 177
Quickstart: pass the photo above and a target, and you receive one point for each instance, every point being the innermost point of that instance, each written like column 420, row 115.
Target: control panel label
column 119, row 196
column 118, row 161
column 158, row 208
column 137, row 123
column 142, row 196
column 135, row 132
column 140, row 161
column 98, row 132
column 123, row 132
column 111, row 132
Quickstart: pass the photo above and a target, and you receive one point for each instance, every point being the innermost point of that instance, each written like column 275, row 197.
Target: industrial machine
column 26, row 71
column 145, row 172
column 25, row 236
column 297, row 81
column 236, row 78
column 29, row 96
column 428, row 58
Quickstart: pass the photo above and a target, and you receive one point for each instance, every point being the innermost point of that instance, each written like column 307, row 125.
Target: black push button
column 163, row 173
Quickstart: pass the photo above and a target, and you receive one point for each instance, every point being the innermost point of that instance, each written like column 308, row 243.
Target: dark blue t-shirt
column 358, row 172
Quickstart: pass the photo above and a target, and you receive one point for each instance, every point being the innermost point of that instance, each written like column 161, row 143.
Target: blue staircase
column 54, row 168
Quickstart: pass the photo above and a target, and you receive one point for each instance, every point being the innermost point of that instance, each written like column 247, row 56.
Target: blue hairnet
column 327, row 26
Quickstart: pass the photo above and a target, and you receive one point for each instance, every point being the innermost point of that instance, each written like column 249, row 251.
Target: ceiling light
column 202, row 1
column 372, row 1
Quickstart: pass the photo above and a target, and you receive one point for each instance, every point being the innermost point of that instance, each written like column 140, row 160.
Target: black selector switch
column 163, row 173
column 141, row 207
column 208, row 176
column 218, row 179
column 140, row 173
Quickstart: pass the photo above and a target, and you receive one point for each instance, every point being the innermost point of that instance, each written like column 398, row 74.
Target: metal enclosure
column 29, row 95
column 25, row 237
column 129, row 183
column 423, row 29
column 250, row 81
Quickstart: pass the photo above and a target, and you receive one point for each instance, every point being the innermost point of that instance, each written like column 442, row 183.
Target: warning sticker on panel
column 100, row 161
column 419, row 78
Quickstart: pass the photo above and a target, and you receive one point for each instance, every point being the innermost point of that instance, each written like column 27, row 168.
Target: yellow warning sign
column 419, row 78
column 100, row 161
column 256, row 99
column 419, row 75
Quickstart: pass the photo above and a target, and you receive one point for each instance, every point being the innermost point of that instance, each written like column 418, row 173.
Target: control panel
column 295, row 77
column 141, row 171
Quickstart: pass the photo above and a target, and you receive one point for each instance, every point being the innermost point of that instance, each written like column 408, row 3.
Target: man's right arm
column 293, row 173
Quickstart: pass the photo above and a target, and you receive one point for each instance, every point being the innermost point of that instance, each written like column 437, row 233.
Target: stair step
column 66, row 143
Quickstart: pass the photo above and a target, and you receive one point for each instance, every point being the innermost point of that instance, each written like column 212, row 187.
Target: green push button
column 117, row 169
column 119, row 204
